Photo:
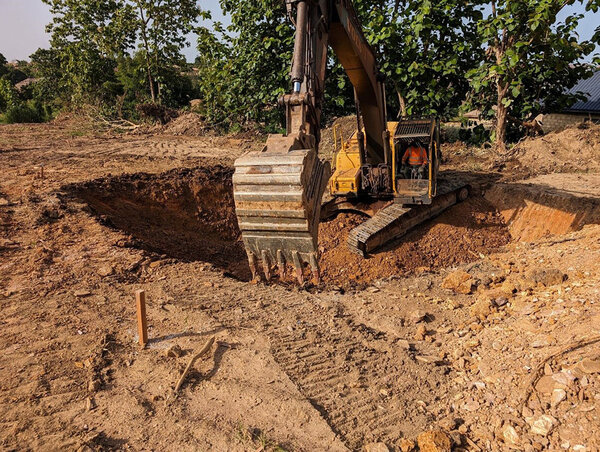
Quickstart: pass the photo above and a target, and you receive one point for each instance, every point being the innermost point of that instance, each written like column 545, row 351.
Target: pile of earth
column 576, row 149
column 189, row 124
column 344, row 127
column 461, row 234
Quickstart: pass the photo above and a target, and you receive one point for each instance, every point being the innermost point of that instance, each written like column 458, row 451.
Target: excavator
column 278, row 191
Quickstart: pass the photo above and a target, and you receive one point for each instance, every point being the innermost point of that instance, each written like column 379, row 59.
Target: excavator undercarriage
column 278, row 191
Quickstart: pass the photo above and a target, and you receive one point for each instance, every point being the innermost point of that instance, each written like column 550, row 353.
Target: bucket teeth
column 281, row 264
column 298, row 267
column 253, row 266
column 314, row 267
column 266, row 262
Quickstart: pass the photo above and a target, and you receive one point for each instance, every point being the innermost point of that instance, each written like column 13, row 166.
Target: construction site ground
column 477, row 331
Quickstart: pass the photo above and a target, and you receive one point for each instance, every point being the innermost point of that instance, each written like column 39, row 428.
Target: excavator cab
column 410, row 187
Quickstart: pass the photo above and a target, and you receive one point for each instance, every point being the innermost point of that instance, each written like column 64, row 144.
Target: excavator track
column 394, row 221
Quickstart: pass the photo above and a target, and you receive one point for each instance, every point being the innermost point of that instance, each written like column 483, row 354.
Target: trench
column 189, row 215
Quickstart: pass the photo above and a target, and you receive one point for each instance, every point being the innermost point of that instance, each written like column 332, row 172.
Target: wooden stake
column 140, row 298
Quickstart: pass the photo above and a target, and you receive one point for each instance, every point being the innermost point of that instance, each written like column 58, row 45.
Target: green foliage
column 530, row 61
column 91, row 60
column 244, row 69
column 22, row 112
column 424, row 50
column 8, row 95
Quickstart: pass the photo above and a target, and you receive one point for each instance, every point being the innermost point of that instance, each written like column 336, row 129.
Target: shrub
column 22, row 113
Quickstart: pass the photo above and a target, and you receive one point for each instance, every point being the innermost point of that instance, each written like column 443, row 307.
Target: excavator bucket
column 278, row 202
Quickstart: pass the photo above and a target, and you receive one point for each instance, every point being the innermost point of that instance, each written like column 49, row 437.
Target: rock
column 510, row 435
column 545, row 277
column 427, row 359
column 500, row 301
column 459, row 281
column 589, row 366
column 174, row 351
column 404, row 344
column 90, row 404
column 558, row 395
column 418, row 316
column 407, row 445
column 471, row 405
column 4, row 202
column 106, row 270
column 376, row 447
column 421, row 333
column 481, row 309
column 547, row 384
column 541, row 425
column 94, row 385
column 82, row 293
column 434, row 441
column 448, row 424
column 155, row 264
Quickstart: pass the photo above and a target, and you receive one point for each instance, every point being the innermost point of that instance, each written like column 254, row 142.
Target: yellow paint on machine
column 346, row 178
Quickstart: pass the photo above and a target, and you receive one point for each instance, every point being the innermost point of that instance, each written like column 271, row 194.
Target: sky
column 23, row 22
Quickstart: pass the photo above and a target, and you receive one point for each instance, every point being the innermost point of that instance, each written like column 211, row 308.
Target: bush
column 22, row 113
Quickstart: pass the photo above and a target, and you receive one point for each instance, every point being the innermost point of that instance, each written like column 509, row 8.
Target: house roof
column 591, row 88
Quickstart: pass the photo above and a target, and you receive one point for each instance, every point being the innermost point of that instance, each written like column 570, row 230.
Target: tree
column 161, row 27
column 423, row 48
column 530, row 61
column 86, row 38
column 244, row 68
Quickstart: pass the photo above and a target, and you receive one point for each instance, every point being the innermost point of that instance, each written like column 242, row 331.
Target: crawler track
column 396, row 220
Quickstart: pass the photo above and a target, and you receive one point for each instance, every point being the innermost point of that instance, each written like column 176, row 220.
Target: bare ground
column 330, row 368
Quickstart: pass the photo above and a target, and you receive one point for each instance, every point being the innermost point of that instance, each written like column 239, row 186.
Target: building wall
column 556, row 121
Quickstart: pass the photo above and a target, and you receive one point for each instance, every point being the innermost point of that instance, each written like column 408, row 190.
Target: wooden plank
column 142, row 323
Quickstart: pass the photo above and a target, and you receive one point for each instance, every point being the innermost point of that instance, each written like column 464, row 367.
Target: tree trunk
column 147, row 52
column 402, row 113
column 150, row 81
column 501, row 117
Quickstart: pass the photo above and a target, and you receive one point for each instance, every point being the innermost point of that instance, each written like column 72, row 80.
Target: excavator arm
column 278, row 190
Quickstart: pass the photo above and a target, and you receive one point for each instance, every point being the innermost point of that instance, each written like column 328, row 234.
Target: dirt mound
column 187, row 214
column 458, row 235
column 190, row 124
column 574, row 149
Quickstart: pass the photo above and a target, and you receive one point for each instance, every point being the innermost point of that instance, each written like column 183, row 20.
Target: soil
column 189, row 124
column 333, row 368
column 186, row 214
column 459, row 235
column 572, row 150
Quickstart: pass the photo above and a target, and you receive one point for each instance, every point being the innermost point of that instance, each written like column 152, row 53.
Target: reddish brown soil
column 459, row 235
column 190, row 215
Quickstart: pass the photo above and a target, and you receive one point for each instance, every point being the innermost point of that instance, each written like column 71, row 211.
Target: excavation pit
column 187, row 214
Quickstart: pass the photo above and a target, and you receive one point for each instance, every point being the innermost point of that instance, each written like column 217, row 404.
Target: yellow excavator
column 278, row 191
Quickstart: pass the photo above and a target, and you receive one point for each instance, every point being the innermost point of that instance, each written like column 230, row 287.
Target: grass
column 257, row 440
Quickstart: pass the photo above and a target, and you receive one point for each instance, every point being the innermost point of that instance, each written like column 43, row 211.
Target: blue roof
column 591, row 88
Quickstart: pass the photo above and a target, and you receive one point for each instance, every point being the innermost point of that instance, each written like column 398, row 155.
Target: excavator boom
column 278, row 190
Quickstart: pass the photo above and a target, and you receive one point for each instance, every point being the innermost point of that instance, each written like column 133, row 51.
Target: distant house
column 581, row 111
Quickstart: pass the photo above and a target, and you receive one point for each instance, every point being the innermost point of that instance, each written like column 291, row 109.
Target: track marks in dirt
column 361, row 381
